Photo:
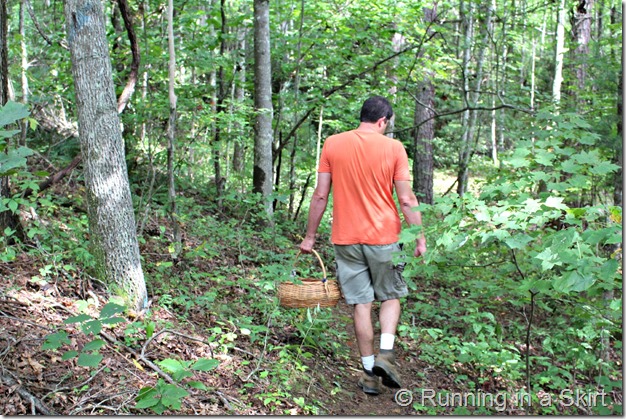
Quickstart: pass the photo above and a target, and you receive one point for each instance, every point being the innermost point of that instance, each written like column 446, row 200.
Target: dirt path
column 351, row 400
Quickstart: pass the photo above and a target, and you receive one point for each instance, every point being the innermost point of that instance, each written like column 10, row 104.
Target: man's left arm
column 408, row 201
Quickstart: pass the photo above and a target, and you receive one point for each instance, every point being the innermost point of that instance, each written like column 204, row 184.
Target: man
column 363, row 166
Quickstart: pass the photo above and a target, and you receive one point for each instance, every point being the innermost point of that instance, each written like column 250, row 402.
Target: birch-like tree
column 262, row 178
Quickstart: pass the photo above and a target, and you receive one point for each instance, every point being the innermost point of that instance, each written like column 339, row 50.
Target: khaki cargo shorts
column 367, row 273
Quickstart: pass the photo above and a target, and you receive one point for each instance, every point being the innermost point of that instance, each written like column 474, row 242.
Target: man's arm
column 408, row 201
column 316, row 210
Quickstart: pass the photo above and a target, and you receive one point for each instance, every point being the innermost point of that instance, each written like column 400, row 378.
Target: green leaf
column 171, row 395
column 93, row 326
column 176, row 368
column 13, row 160
column 573, row 281
column 55, row 340
column 112, row 320
column 555, row 202
column 548, row 259
column 12, row 112
column 111, row 309
column 94, row 345
column 205, row 364
column 519, row 241
column 147, row 397
column 89, row 360
column 171, row 365
column 197, row 384
column 77, row 319
column 569, row 166
column 603, row 168
column 531, row 205
column 69, row 355
column 544, row 157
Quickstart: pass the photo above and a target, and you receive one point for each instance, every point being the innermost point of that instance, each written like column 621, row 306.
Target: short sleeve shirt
column 363, row 166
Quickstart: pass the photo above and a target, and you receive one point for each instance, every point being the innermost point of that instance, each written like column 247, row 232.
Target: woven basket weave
column 311, row 293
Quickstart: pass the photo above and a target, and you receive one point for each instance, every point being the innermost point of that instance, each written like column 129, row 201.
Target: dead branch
column 143, row 349
column 36, row 23
column 36, row 404
column 134, row 66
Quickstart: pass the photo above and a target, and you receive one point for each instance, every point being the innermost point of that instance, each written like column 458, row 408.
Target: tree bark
column 581, row 28
column 559, row 51
column 171, row 133
column 423, row 141
column 109, row 204
column 262, row 177
column 8, row 219
column 425, row 127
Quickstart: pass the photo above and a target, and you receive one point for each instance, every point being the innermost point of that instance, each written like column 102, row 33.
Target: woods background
column 161, row 157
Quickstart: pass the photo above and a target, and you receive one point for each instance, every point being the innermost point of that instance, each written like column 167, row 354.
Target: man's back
column 363, row 165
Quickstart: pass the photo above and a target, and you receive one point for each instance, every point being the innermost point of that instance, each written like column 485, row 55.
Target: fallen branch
column 143, row 349
column 36, row 404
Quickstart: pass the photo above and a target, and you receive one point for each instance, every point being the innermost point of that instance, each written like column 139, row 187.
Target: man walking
column 363, row 166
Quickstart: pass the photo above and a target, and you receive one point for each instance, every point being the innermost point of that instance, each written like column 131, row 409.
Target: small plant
column 164, row 396
column 89, row 355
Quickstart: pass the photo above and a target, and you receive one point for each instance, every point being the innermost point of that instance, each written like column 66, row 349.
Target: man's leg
column 384, row 365
column 364, row 331
column 389, row 316
column 363, row 328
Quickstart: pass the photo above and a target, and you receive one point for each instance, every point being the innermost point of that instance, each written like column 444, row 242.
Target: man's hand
column 307, row 244
column 420, row 248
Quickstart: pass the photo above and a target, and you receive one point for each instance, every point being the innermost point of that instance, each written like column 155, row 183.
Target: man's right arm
column 319, row 200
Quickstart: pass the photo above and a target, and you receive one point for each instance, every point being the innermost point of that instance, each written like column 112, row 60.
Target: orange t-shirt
column 363, row 166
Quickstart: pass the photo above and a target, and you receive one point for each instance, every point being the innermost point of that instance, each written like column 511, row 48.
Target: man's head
column 374, row 108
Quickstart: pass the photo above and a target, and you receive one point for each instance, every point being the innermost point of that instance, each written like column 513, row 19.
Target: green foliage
column 89, row 355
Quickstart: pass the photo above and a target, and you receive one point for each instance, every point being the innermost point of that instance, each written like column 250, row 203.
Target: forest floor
column 35, row 381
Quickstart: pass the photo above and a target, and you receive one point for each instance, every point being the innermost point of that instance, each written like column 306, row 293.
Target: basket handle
column 320, row 261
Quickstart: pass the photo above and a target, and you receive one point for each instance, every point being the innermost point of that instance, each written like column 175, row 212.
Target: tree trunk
column 171, row 133
column 423, row 141
column 472, row 98
column 8, row 219
column 262, row 178
column 559, row 51
column 240, row 71
column 24, row 68
column 109, row 204
column 425, row 127
column 581, row 28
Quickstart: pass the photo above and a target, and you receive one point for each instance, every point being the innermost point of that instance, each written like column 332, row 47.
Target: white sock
column 386, row 341
column 368, row 362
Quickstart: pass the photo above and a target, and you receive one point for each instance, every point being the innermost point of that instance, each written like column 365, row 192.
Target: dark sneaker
column 385, row 367
column 370, row 384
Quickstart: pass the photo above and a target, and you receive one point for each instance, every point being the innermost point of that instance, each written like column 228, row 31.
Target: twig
column 58, row 390
column 36, row 404
column 529, row 321
column 258, row 364
column 143, row 349
column 3, row 314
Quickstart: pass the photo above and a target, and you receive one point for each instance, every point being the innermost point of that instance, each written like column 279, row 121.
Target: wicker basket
column 311, row 293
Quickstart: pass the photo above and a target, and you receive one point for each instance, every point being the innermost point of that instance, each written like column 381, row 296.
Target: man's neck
column 372, row 127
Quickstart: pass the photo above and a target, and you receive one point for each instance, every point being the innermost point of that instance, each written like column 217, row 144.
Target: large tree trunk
column 109, row 204
column 262, row 178
column 8, row 219
column 423, row 141
column 425, row 127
